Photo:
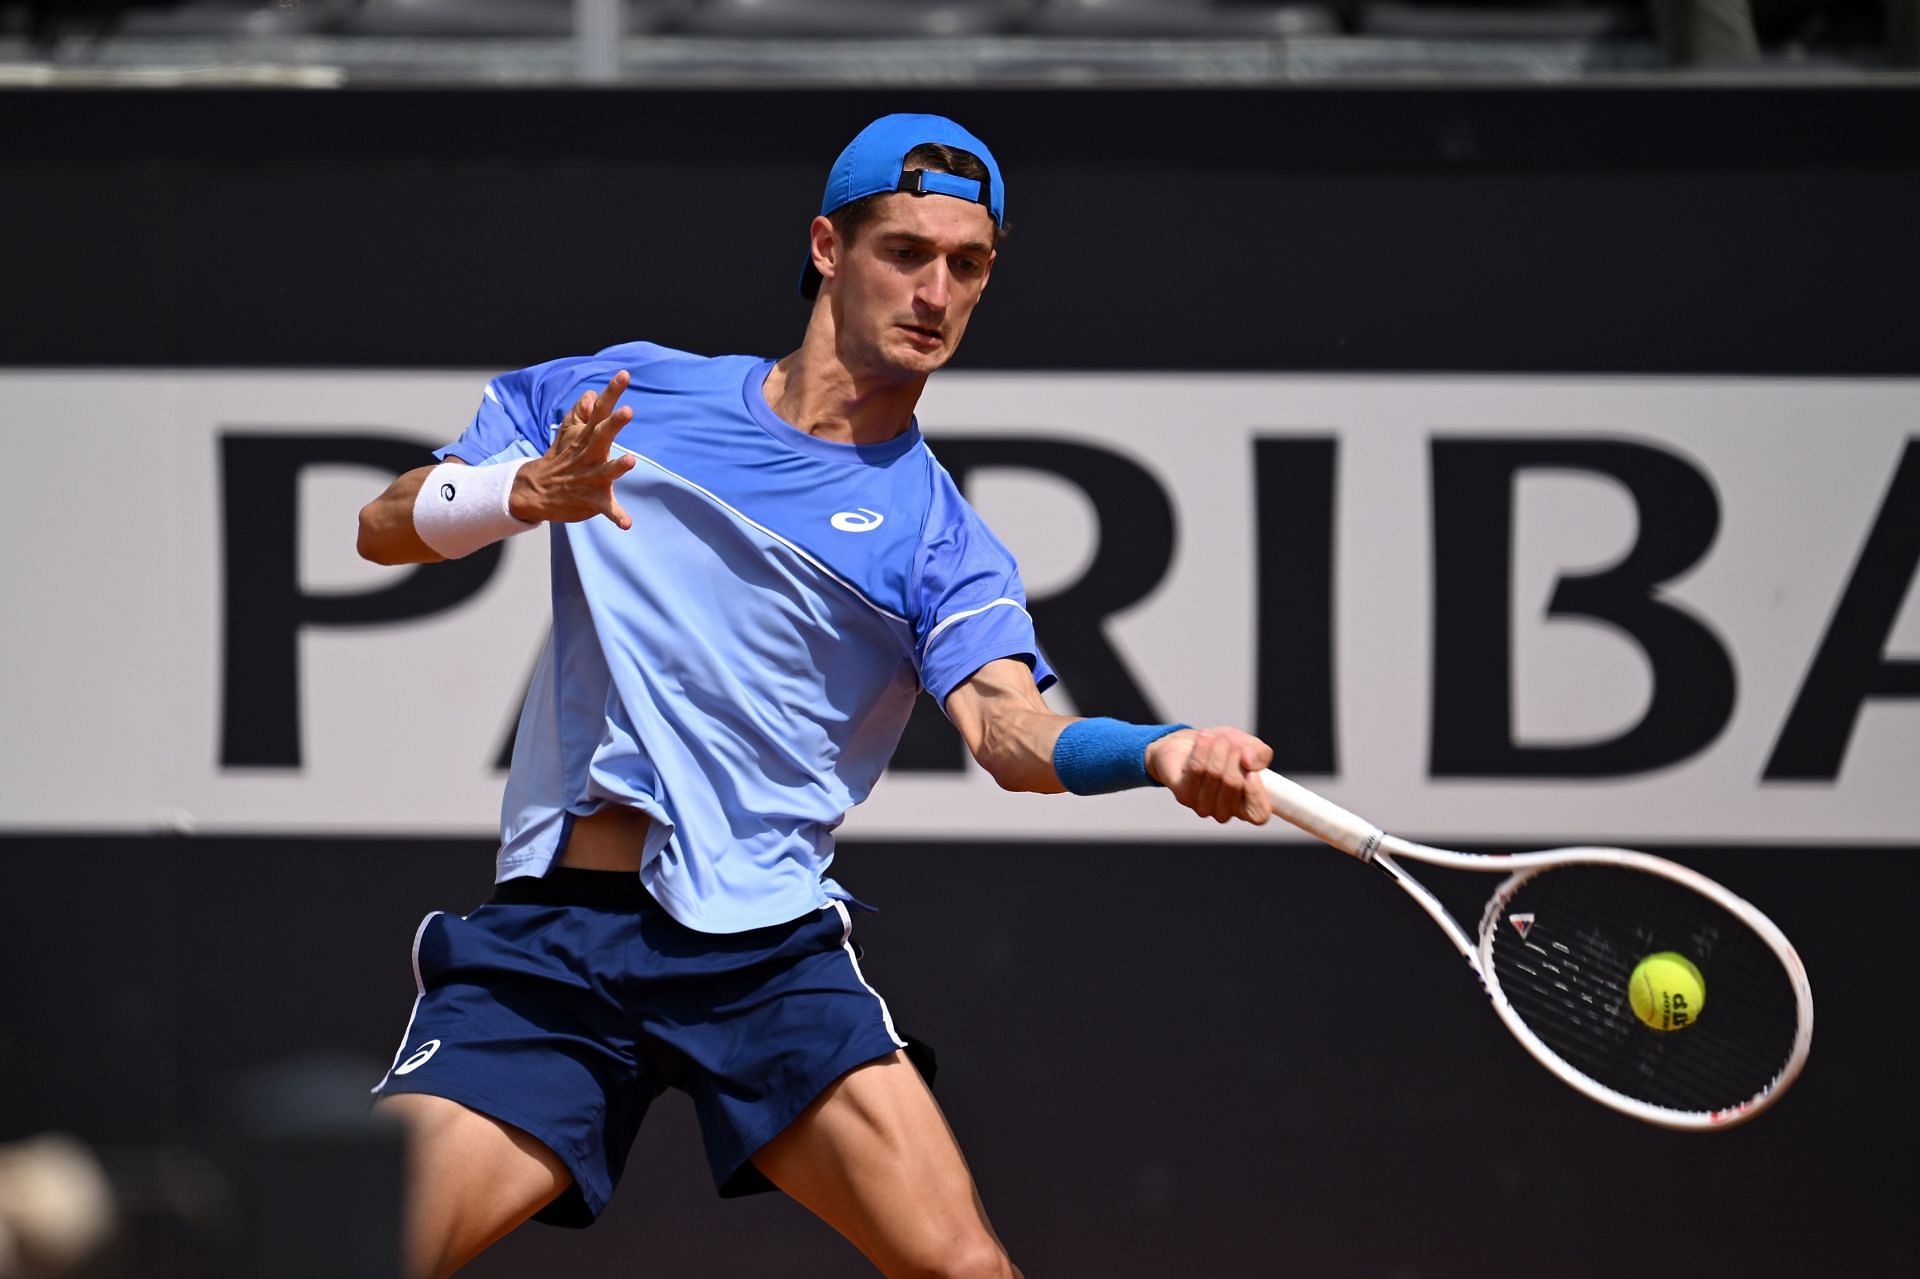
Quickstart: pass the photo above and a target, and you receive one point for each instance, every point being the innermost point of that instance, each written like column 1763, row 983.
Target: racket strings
column 1565, row 968
column 1720, row 1067
column 1580, row 1008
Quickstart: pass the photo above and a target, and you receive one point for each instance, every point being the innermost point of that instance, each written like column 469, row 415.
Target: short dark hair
column 934, row 157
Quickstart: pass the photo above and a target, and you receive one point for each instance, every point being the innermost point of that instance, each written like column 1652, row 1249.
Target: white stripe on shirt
column 963, row 615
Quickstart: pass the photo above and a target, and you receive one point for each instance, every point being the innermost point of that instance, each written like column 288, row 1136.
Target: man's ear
column 826, row 246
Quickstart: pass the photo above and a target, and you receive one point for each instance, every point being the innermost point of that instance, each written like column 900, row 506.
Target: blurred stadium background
column 859, row 42
column 1355, row 329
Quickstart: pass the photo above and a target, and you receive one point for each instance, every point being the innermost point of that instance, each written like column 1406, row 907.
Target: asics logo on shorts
column 860, row 520
column 421, row 1057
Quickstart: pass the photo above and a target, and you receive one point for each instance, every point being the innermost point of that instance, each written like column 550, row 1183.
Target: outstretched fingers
column 595, row 418
column 614, row 469
column 574, row 481
column 577, row 417
column 606, row 417
column 610, row 397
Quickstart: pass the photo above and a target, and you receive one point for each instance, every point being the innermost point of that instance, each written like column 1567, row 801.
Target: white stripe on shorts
column 420, row 986
column 846, row 944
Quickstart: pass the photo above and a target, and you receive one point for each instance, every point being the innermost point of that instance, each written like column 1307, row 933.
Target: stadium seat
column 234, row 18
column 1400, row 20
column 853, row 18
column 485, row 18
column 1190, row 18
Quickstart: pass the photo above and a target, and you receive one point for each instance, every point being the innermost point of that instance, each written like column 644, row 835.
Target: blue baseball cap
column 874, row 163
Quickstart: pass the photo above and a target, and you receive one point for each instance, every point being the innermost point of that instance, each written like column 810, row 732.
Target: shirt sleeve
column 519, row 410
column 973, row 607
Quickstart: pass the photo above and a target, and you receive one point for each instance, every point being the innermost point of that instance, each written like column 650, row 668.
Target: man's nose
column 935, row 286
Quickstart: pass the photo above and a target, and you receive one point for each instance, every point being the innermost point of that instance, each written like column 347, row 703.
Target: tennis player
column 756, row 567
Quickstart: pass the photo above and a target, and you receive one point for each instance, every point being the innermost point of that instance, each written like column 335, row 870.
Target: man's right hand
column 573, row 481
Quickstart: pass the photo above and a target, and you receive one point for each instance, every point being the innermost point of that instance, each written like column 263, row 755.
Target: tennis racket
column 1559, row 939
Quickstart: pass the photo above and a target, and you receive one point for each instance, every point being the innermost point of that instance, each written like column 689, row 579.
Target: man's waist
column 613, row 838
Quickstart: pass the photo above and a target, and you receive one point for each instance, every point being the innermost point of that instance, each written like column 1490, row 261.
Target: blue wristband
column 1095, row 756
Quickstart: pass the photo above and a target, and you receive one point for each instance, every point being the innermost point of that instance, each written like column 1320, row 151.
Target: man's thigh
column 470, row 1180
column 874, row 1158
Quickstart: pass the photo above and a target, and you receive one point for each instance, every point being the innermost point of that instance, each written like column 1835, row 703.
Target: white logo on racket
column 861, row 520
column 420, row 1058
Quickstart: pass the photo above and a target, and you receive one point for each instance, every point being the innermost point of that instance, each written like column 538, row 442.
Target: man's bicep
column 1005, row 680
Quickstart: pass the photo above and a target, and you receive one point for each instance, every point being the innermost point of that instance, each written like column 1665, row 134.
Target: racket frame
column 1360, row 839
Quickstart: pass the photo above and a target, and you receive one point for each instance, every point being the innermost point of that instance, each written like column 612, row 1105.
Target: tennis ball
column 1667, row 991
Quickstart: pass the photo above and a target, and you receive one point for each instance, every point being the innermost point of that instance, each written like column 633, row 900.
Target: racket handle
column 1320, row 817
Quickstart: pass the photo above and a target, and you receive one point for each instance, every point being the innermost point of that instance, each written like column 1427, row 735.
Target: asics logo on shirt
column 420, row 1058
column 861, row 520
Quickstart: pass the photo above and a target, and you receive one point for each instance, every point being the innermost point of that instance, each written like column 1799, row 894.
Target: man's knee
column 988, row 1261
column 975, row 1257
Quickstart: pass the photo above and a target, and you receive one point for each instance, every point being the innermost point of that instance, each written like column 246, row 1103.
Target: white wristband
column 463, row 508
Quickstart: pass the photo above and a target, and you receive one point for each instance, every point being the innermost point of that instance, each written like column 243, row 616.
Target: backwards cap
column 874, row 163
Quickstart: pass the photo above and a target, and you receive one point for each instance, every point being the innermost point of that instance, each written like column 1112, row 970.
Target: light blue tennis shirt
column 739, row 665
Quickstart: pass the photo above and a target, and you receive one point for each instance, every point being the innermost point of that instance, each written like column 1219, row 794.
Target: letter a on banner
column 1852, row 665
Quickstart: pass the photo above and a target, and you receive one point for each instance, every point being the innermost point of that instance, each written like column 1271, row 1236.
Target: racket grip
column 1321, row 817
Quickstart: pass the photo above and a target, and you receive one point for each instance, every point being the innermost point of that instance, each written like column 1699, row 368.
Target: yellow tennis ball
column 1667, row 991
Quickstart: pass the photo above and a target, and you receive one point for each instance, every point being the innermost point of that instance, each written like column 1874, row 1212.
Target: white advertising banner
column 1471, row 608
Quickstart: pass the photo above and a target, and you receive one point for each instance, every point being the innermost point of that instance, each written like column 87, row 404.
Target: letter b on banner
column 1473, row 502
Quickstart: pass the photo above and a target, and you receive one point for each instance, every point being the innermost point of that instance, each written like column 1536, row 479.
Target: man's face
column 903, row 290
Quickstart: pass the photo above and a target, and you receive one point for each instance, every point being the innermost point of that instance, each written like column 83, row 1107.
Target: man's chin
column 918, row 361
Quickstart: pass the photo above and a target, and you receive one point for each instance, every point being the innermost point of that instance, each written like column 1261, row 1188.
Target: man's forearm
column 387, row 535
column 1016, row 748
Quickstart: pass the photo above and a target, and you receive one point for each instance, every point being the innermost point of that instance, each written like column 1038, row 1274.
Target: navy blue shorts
column 565, row 1005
